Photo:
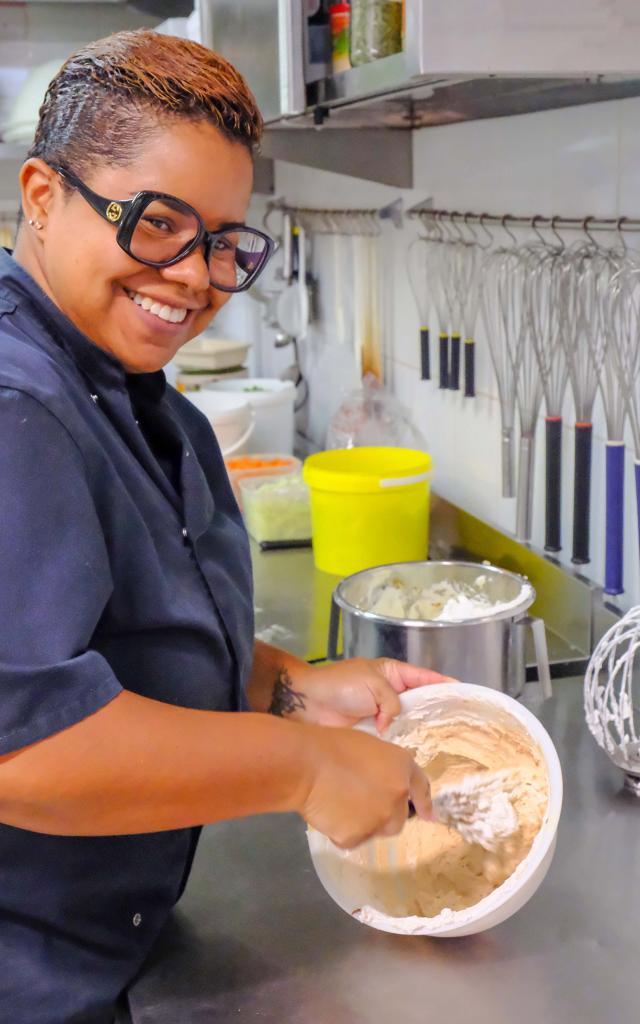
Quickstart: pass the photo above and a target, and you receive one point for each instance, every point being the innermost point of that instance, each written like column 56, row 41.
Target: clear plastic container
column 376, row 29
column 276, row 509
column 244, row 467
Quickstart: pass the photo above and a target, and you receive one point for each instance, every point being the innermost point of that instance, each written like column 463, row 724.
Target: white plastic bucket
column 231, row 417
column 273, row 403
column 453, row 698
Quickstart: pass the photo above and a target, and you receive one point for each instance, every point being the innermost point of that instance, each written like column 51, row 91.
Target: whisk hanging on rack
column 545, row 294
column 502, row 327
column 470, row 288
column 615, row 409
column 624, row 311
column 596, row 280
column 435, row 242
column 454, row 255
column 440, row 271
column 577, row 313
column 528, row 387
column 419, row 280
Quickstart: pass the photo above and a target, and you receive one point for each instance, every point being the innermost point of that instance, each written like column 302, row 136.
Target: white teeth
column 171, row 314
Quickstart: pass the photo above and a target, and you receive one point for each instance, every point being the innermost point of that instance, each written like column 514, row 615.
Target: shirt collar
column 149, row 386
column 103, row 369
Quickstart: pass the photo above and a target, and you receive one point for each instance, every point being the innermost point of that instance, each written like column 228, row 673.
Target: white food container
column 447, row 699
column 273, row 404
column 205, row 353
column 231, row 417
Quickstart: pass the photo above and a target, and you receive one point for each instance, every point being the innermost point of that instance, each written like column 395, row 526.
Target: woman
column 126, row 633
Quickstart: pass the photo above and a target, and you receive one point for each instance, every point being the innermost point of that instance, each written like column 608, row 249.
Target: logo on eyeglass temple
column 114, row 212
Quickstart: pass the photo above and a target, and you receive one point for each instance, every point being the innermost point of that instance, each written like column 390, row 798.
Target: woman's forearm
column 139, row 765
column 276, row 683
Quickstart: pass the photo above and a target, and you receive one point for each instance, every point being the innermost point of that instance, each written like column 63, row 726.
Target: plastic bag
column 372, row 416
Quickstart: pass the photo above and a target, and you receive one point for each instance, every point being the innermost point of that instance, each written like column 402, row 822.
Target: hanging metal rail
column 327, row 221
column 432, row 217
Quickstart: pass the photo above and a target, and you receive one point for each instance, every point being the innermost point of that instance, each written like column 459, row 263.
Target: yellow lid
column 363, row 470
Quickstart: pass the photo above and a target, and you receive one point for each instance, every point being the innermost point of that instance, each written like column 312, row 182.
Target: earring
column 35, row 224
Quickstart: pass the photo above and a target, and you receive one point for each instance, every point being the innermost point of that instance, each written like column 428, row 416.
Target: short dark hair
column 108, row 99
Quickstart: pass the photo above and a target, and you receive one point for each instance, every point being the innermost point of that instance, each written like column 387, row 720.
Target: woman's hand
column 354, row 786
column 347, row 785
column 343, row 693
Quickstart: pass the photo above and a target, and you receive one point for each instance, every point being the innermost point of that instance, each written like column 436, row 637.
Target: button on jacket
column 123, row 565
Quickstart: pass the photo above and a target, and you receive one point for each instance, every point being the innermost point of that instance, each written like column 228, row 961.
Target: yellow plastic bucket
column 369, row 506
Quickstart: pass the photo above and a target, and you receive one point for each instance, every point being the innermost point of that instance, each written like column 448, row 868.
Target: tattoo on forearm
column 284, row 699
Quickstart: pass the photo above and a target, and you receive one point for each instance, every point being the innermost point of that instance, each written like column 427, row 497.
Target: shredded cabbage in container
column 277, row 508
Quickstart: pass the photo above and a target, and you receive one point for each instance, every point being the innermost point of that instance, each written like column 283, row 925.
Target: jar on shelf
column 340, row 18
column 376, row 29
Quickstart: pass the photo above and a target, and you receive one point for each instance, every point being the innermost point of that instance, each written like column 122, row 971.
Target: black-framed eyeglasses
column 159, row 230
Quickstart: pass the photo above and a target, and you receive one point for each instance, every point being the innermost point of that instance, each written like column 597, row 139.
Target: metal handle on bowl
column 541, row 649
column 334, row 631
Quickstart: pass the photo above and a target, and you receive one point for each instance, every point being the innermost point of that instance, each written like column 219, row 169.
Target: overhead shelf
column 370, row 136
column 448, row 100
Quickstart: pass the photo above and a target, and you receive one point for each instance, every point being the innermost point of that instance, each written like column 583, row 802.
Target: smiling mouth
column 170, row 314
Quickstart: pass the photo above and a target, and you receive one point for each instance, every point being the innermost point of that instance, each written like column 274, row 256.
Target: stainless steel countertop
column 255, row 937
column 292, row 601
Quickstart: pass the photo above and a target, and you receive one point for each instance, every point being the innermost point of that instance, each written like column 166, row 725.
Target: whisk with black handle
column 419, row 259
column 545, row 291
column 576, row 309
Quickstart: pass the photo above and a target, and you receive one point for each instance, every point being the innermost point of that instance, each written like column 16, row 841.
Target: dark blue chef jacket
column 123, row 565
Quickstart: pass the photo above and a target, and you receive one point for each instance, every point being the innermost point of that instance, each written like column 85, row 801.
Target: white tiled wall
column 576, row 162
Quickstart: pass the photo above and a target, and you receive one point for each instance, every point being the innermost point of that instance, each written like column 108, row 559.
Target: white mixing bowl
column 447, row 699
